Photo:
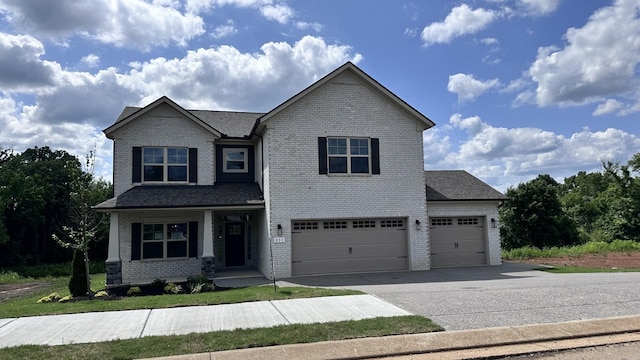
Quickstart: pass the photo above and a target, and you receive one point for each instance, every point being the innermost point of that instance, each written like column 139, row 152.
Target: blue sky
column 517, row 88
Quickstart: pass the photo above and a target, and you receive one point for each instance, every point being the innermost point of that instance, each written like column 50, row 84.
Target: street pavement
column 511, row 294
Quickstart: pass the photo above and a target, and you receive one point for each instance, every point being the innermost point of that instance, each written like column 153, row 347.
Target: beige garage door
column 457, row 241
column 346, row 246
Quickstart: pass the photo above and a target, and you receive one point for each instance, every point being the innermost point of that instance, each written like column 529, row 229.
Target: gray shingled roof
column 230, row 123
column 457, row 185
column 233, row 124
column 182, row 196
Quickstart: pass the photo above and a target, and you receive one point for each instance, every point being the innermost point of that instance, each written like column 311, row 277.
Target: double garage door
column 457, row 241
column 348, row 245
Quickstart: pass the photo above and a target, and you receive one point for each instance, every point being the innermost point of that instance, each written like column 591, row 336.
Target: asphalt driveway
column 507, row 295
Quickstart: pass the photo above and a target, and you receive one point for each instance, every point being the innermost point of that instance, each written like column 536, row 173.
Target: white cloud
column 215, row 76
column 301, row 25
column 280, row 13
column 469, row 88
column 91, row 60
column 607, row 107
column 20, row 65
column 598, row 60
column 507, row 156
column 460, row 21
column 123, row 23
column 490, row 41
column 539, row 7
column 226, row 30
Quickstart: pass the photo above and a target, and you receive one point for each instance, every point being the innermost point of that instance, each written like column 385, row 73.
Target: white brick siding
column 344, row 107
column 163, row 126
column 486, row 209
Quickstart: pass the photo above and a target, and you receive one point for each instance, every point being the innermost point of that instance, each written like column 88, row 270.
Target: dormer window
column 165, row 164
column 235, row 160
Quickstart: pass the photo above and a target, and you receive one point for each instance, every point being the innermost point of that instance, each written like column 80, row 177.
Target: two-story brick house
column 330, row 181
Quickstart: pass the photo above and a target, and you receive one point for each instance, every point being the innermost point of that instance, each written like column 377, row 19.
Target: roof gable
column 130, row 114
column 425, row 122
column 458, row 185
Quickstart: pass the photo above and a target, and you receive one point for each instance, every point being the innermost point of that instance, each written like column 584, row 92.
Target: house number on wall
column 278, row 240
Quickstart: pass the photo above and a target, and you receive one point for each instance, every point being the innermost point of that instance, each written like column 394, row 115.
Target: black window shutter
column 193, row 239
column 136, row 172
column 136, row 240
column 375, row 156
column 322, row 155
column 193, row 165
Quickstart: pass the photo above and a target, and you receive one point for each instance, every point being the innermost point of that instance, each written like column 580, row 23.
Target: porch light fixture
column 494, row 223
column 417, row 224
column 279, row 229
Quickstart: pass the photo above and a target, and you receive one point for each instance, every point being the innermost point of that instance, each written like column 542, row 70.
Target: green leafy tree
column 533, row 216
column 37, row 185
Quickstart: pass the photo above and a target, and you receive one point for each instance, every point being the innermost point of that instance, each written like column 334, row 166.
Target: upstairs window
column 165, row 164
column 348, row 155
column 235, row 160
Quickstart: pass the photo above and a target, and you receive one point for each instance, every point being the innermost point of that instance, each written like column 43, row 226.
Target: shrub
column 172, row 288
column 49, row 298
column 101, row 294
column 199, row 283
column 159, row 283
column 134, row 291
column 65, row 299
column 78, row 281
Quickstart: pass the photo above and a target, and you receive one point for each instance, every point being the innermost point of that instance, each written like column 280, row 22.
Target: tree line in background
column 45, row 199
column 595, row 206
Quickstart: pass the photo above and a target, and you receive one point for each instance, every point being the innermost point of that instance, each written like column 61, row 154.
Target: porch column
column 208, row 258
column 113, row 264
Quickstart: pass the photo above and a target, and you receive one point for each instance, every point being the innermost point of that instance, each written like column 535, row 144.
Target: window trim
column 225, row 152
column 165, row 165
column 349, row 156
column 165, row 240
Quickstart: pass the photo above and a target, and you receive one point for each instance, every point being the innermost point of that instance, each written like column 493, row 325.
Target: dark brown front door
column 234, row 244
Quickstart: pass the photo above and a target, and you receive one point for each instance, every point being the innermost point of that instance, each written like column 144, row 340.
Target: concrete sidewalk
column 463, row 344
column 112, row 325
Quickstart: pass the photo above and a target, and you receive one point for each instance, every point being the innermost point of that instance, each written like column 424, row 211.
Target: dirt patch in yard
column 610, row 260
column 8, row 291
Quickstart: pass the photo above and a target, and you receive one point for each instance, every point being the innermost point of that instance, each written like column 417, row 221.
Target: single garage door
column 346, row 246
column 457, row 241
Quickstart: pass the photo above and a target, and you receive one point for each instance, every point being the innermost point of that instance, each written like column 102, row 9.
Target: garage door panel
column 457, row 241
column 351, row 249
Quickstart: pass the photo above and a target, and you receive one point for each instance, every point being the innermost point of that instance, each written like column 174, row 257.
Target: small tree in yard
column 84, row 222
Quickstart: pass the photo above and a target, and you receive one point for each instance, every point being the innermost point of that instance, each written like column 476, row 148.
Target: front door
column 234, row 244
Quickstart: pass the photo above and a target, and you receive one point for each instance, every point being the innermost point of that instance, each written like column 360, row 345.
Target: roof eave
column 162, row 100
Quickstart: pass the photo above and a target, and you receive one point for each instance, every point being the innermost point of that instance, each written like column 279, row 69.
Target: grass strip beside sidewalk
column 156, row 346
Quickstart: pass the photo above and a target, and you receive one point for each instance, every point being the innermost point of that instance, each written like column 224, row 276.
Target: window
column 161, row 241
column 235, row 160
column 468, row 221
column 348, row 155
column 344, row 155
column 391, row 223
column 335, row 225
column 441, row 222
column 165, row 164
column 357, row 224
column 305, row 225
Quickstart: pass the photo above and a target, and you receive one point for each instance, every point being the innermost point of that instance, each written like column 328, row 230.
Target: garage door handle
column 297, row 261
column 350, row 251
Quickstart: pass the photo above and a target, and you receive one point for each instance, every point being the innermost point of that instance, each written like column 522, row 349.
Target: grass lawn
column 27, row 306
column 156, row 346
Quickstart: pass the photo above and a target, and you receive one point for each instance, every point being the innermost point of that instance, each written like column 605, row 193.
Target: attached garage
column 463, row 219
column 457, row 241
column 348, row 246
